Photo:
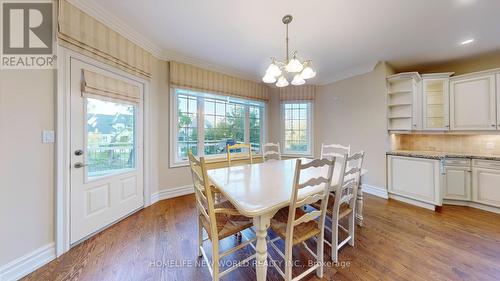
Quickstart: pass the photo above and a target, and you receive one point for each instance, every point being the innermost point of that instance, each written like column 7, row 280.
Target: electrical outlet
column 490, row 145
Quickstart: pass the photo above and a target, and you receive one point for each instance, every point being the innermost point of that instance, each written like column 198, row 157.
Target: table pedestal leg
column 359, row 205
column 261, row 224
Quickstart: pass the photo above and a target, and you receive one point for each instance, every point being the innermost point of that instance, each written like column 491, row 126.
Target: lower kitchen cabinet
column 486, row 186
column 457, row 183
column 414, row 178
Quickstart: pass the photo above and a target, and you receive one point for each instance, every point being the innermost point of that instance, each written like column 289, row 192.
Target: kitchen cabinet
column 415, row 178
column 435, row 101
column 486, row 182
column 457, row 179
column 404, row 102
column 473, row 103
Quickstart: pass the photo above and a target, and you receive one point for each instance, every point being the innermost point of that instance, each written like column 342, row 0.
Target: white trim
column 28, row 263
column 472, row 205
column 171, row 193
column 62, row 207
column 375, row 190
column 412, row 202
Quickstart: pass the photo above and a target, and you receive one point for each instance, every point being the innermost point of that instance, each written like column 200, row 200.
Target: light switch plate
column 48, row 137
column 490, row 145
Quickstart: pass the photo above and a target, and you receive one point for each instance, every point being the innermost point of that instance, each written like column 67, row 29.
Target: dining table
column 259, row 190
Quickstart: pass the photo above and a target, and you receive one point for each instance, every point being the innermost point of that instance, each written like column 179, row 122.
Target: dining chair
column 296, row 226
column 342, row 202
column 219, row 220
column 271, row 151
column 334, row 150
column 245, row 155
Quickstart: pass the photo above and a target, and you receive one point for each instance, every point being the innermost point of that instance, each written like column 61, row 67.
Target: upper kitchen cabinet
column 403, row 102
column 435, row 101
column 473, row 102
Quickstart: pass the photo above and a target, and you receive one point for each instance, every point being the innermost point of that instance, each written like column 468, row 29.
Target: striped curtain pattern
column 82, row 33
column 304, row 92
column 194, row 78
column 101, row 86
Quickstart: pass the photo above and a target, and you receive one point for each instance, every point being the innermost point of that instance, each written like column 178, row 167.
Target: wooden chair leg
column 215, row 260
column 200, row 238
column 288, row 260
column 319, row 254
column 352, row 227
column 335, row 238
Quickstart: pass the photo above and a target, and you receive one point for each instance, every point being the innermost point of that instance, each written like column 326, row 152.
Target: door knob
column 78, row 152
column 79, row 165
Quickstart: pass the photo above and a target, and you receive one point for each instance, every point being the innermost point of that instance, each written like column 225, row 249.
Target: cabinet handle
column 493, row 125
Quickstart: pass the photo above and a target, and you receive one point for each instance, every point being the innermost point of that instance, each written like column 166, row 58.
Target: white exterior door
column 473, row 104
column 106, row 157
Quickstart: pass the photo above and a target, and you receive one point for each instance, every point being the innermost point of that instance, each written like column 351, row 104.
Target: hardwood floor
column 397, row 242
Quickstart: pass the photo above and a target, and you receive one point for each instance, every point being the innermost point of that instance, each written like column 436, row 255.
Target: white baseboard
column 171, row 193
column 413, row 202
column 28, row 263
column 374, row 190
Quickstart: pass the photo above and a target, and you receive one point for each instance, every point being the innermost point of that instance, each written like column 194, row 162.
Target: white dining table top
column 256, row 189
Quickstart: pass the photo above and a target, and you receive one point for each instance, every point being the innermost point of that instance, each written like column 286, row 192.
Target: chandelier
column 278, row 71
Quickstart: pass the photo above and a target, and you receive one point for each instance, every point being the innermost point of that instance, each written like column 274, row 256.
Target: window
column 296, row 128
column 110, row 137
column 207, row 123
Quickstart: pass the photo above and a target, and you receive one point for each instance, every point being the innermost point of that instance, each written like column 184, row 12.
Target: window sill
column 215, row 160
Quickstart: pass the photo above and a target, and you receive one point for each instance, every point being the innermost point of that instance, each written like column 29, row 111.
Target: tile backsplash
column 477, row 144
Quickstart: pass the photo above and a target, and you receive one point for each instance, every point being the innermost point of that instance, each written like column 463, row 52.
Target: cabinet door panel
column 486, row 186
column 457, row 183
column 415, row 178
column 473, row 104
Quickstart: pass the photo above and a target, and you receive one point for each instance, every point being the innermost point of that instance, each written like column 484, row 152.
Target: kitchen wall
column 353, row 111
column 27, row 108
column 474, row 144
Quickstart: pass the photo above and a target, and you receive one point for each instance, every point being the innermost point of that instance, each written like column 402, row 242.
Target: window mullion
column 201, row 127
column 247, row 124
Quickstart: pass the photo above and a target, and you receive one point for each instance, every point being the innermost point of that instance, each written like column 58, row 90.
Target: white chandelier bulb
column 282, row 82
column 273, row 70
column 294, row 66
column 298, row 80
column 268, row 78
column 307, row 73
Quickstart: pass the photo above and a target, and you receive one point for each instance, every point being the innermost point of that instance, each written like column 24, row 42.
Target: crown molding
column 350, row 72
column 175, row 56
column 116, row 24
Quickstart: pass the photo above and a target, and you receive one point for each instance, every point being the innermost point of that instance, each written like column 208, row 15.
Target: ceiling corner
column 349, row 72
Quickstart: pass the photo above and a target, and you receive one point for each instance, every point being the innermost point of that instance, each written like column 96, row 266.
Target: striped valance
column 199, row 79
column 82, row 33
column 95, row 84
column 304, row 92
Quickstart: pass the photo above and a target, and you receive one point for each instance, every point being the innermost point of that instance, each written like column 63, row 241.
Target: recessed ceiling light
column 468, row 41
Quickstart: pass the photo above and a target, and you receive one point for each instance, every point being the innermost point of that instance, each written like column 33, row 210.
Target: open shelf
column 398, row 104
column 400, row 92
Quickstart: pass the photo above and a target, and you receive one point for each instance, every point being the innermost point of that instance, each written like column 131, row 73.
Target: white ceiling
column 341, row 37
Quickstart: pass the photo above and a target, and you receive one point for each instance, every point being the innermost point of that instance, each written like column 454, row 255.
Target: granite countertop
column 442, row 154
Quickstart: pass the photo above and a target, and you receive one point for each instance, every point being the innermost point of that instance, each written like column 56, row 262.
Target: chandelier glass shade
column 278, row 71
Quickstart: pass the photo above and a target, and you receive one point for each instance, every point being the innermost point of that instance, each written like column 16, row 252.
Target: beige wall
column 168, row 177
column 274, row 115
column 353, row 111
column 26, row 165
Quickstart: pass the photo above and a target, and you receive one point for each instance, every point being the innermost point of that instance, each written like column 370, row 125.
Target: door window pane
column 111, row 135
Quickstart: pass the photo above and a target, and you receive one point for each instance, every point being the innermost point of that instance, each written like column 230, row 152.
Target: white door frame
column 62, row 194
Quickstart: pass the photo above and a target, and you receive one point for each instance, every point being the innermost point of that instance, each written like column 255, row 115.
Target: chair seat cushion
column 345, row 209
column 227, row 224
column 301, row 232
